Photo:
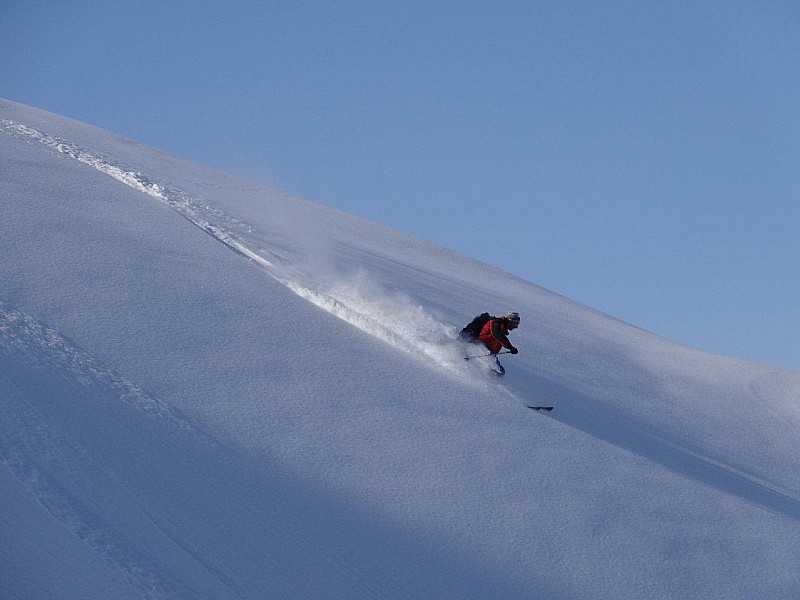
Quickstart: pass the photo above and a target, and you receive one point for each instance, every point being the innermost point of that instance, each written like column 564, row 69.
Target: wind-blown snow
column 213, row 390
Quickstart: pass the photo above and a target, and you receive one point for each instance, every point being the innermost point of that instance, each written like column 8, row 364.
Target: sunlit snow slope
column 209, row 389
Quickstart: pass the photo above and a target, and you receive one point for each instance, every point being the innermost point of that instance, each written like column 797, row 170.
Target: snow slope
column 210, row 389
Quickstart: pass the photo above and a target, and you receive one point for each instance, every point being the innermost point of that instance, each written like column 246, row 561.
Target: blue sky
column 640, row 157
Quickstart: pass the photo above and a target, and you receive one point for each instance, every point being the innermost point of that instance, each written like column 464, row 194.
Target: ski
column 547, row 408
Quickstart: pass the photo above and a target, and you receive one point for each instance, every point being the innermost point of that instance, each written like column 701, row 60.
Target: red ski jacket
column 495, row 336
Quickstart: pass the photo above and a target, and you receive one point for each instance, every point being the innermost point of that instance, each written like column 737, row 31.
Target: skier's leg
column 498, row 367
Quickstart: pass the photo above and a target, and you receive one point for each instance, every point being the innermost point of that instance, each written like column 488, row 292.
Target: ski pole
column 487, row 354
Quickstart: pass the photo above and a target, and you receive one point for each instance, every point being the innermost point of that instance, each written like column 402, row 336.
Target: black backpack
column 473, row 328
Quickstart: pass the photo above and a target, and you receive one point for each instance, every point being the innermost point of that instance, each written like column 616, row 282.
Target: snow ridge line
column 347, row 303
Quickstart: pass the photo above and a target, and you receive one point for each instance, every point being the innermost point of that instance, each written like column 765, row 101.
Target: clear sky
column 640, row 157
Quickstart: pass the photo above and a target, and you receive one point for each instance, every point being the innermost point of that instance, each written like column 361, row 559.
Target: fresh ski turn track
column 177, row 422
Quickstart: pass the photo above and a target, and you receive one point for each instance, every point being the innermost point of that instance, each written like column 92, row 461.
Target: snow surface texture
column 209, row 389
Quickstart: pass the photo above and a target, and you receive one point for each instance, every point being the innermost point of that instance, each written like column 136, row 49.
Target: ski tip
column 547, row 408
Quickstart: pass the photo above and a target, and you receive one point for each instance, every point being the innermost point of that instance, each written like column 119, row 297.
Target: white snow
column 209, row 389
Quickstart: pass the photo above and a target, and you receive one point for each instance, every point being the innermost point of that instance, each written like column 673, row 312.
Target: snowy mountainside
column 211, row 389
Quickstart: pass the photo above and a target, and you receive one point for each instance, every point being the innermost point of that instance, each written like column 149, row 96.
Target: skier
column 493, row 333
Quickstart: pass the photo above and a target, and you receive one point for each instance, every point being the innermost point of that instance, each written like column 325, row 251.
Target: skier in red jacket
column 493, row 333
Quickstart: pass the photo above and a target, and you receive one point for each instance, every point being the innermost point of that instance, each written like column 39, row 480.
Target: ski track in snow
column 381, row 315
column 22, row 335
column 35, row 450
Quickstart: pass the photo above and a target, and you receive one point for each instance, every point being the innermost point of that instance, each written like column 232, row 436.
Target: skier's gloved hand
column 513, row 350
